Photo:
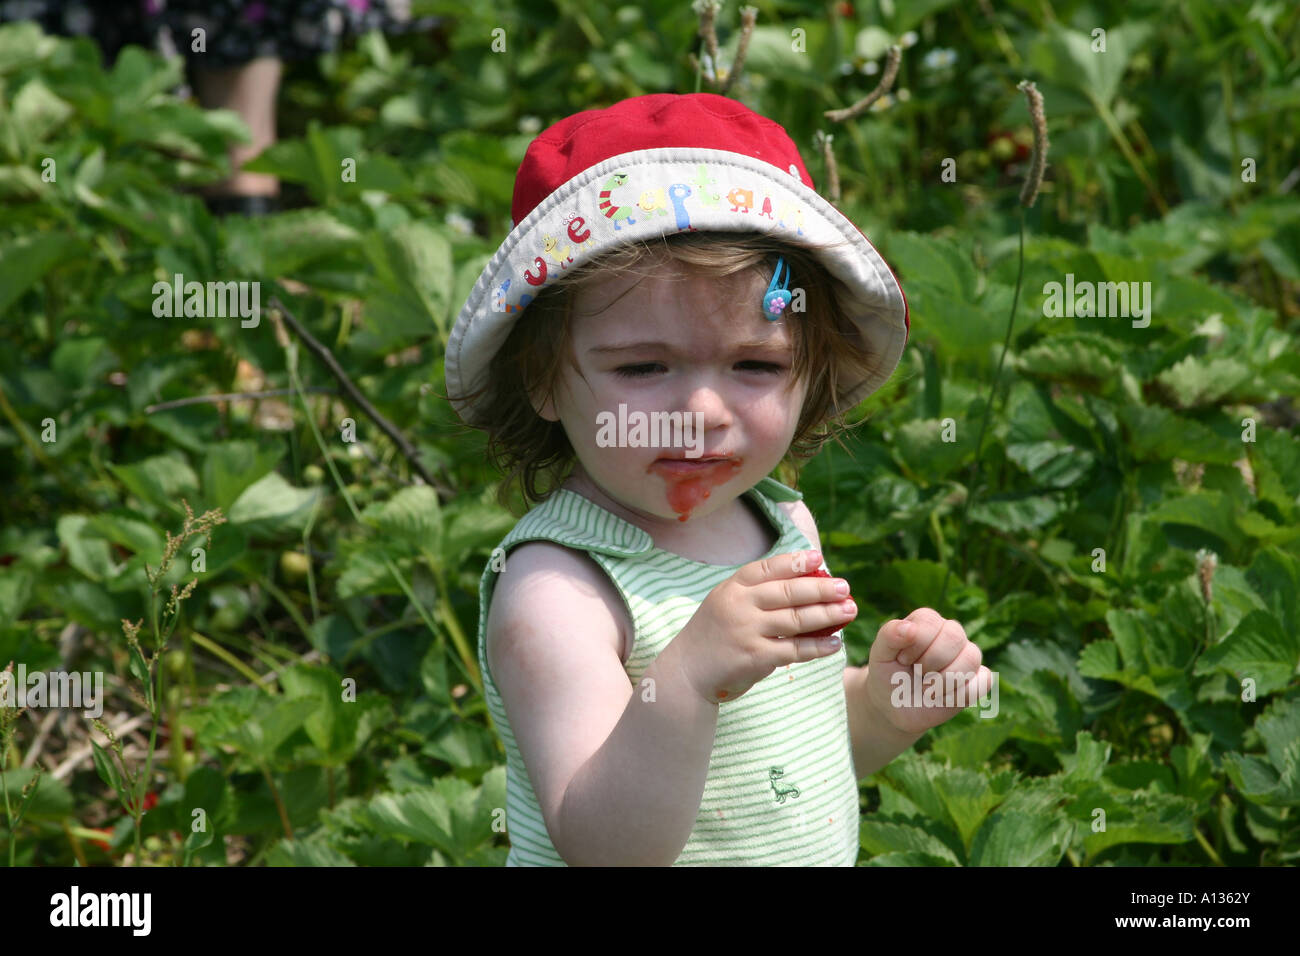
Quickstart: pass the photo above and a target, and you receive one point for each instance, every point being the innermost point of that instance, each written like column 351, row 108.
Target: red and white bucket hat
column 653, row 166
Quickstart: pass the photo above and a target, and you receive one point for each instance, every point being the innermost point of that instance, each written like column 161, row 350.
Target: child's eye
column 641, row 371
column 635, row 371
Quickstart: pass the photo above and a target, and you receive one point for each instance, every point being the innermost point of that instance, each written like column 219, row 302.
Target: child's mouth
column 687, row 466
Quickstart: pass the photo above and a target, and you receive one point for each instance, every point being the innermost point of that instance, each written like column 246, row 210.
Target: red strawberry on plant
column 1007, row 148
column 825, row 632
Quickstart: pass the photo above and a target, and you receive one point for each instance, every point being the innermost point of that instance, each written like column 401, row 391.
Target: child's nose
column 704, row 396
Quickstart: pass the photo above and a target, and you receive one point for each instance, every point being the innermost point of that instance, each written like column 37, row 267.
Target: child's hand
column 941, row 647
column 735, row 638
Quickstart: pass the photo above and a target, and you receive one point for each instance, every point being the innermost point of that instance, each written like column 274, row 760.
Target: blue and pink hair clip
column 777, row 296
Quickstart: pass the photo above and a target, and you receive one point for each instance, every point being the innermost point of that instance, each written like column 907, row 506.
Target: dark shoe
column 242, row 205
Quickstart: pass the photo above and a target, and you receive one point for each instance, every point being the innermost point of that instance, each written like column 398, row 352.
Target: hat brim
column 652, row 193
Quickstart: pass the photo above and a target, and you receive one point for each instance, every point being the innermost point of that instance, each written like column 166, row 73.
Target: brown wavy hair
column 535, row 454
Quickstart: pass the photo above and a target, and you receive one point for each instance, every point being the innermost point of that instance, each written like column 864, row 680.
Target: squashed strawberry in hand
column 825, row 632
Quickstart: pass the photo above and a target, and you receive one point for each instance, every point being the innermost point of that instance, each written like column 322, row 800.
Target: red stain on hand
column 825, row 632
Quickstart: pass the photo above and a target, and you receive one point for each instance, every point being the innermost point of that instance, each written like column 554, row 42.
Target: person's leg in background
column 250, row 89
column 248, row 42
column 235, row 51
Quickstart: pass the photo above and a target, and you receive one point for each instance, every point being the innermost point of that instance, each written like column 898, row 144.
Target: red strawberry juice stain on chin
column 687, row 490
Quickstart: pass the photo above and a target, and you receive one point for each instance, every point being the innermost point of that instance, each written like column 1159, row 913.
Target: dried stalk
column 232, row 397
column 1038, row 161
column 748, row 16
column 387, row 427
column 822, row 141
column 883, row 87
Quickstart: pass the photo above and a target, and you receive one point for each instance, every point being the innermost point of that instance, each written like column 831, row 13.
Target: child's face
column 700, row 346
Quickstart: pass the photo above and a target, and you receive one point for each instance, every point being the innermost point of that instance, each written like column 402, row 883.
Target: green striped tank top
column 781, row 788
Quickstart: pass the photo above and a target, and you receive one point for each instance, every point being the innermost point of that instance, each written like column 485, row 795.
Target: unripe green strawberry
column 294, row 565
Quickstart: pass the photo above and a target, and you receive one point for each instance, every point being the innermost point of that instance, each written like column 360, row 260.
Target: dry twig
column 233, row 397
column 748, row 16
column 387, row 427
column 823, row 141
column 883, row 87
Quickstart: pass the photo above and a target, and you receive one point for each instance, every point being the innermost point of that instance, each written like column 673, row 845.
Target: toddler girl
column 675, row 310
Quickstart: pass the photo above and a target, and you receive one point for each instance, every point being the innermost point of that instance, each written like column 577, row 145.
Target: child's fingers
column 891, row 640
column 790, row 565
column 797, row 592
column 939, row 651
column 963, row 694
column 796, row 650
column 795, row 602
column 794, row 621
column 977, row 685
column 904, row 640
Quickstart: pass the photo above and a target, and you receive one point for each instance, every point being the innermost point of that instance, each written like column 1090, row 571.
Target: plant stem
column 306, row 547
column 288, row 605
column 1226, row 76
column 175, row 741
column 579, row 15
column 345, row 326
column 988, row 407
column 291, row 361
column 4, row 783
column 938, row 538
column 279, row 803
column 82, row 832
column 327, row 357
column 362, row 642
column 292, row 365
column 1117, row 525
column 471, row 671
column 449, row 621
column 1000, row 34
column 1034, row 559
column 1205, row 845
column 217, row 650
column 830, row 471
column 49, row 465
column 1108, row 118
column 231, row 397
column 72, row 833
column 140, row 784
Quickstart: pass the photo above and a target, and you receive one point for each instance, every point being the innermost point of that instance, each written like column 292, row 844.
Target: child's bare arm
column 619, row 778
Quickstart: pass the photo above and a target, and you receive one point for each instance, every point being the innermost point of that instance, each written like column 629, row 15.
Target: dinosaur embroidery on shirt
column 776, row 773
